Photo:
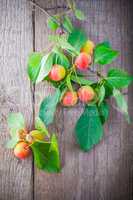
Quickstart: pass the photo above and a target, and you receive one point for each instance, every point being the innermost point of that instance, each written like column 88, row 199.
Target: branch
column 57, row 7
column 44, row 10
column 40, row 8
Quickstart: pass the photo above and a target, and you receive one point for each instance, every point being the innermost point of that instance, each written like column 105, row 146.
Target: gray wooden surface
column 106, row 172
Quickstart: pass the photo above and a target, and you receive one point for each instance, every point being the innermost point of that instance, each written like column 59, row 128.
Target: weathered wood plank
column 15, row 94
column 68, row 184
column 44, row 183
column 105, row 172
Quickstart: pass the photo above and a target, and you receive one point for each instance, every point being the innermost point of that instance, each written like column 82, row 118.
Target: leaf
column 68, row 47
column 48, row 107
column 89, row 130
column 62, row 42
column 46, row 155
column 34, row 64
column 53, row 23
column 15, row 123
column 79, row 14
column 101, row 94
column 57, row 38
column 81, row 80
column 103, row 109
column 105, row 43
column 12, row 142
column 77, row 38
column 36, row 135
column 61, row 59
column 40, row 126
column 68, row 82
column 118, row 78
column 67, row 24
column 104, row 55
column 108, row 89
column 121, row 103
column 46, row 66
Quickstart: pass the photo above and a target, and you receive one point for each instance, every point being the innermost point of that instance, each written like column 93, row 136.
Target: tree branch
column 44, row 10
column 40, row 8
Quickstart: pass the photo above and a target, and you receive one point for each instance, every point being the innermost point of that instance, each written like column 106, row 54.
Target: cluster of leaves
column 44, row 148
column 89, row 127
column 67, row 43
column 62, row 20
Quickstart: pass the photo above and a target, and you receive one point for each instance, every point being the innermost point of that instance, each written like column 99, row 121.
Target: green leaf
column 77, row 38
column 48, row 107
column 103, row 109
column 101, row 94
column 104, row 55
column 121, row 103
column 57, row 38
column 118, row 78
column 15, row 123
column 61, row 59
column 53, row 23
column 46, row 155
column 79, row 14
column 108, row 89
column 61, row 42
column 67, row 24
column 68, row 47
column 34, row 64
column 105, row 43
column 89, row 130
column 81, row 80
column 40, row 126
column 12, row 142
column 68, row 82
column 46, row 66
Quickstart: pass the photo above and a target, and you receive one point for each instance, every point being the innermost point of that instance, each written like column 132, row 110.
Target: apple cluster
column 82, row 62
column 22, row 149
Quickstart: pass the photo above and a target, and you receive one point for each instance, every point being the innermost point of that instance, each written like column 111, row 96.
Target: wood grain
column 99, row 173
column 15, row 95
column 106, row 172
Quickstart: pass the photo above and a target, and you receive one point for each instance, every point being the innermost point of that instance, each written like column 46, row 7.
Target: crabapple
column 88, row 47
column 70, row 98
column 83, row 61
column 57, row 73
column 22, row 150
column 86, row 94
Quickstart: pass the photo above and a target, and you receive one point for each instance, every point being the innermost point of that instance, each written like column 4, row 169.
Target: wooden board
column 99, row 173
column 105, row 173
column 16, row 41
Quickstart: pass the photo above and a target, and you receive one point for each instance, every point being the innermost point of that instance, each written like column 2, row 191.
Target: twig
column 39, row 7
column 44, row 10
column 57, row 7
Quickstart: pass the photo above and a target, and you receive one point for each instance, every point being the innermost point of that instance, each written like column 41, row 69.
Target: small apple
column 57, row 73
column 22, row 150
column 86, row 94
column 88, row 47
column 70, row 98
column 83, row 61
